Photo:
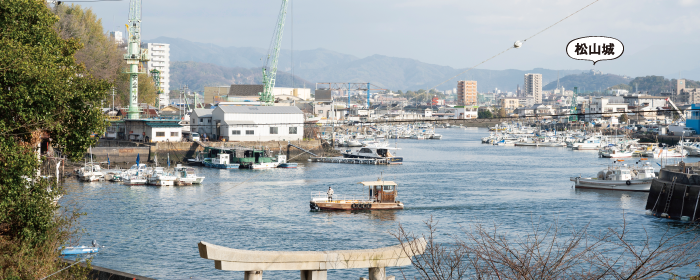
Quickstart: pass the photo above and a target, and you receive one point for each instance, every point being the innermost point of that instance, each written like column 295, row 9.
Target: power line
column 512, row 47
column 447, row 120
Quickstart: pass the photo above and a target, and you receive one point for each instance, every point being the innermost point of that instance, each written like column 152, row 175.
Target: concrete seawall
column 124, row 152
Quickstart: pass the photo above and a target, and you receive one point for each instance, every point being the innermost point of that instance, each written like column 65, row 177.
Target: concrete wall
column 120, row 154
column 101, row 273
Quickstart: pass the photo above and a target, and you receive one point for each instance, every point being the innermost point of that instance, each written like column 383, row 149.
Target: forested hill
column 588, row 81
column 197, row 75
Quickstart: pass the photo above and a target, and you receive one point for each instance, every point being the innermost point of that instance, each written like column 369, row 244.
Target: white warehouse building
column 258, row 123
column 160, row 60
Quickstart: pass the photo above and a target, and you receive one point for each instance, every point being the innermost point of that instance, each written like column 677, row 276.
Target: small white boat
column 614, row 152
column 374, row 153
column 185, row 176
column 619, row 178
column 672, row 152
column 158, row 177
column 134, row 180
column 436, row 136
column 90, row 173
column 588, row 144
column 353, row 143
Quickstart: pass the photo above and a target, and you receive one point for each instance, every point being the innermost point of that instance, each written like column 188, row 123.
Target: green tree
column 100, row 55
column 624, row 118
column 485, row 114
column 501, row 113
column 44, row 93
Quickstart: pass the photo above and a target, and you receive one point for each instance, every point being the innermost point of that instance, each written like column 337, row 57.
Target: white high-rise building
column 533, row 87
column 160, row 60
column 117, row 37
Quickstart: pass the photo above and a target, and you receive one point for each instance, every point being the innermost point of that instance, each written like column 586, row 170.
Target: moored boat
column 185, row 176
column 374, row 153
column 158, row 177
column 619, row 178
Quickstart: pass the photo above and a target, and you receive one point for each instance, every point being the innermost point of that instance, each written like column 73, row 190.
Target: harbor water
column 154, row 231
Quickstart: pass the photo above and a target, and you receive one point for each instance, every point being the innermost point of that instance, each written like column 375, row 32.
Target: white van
column 194, row 136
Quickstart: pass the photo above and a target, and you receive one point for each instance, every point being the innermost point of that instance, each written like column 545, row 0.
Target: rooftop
column 261, row 109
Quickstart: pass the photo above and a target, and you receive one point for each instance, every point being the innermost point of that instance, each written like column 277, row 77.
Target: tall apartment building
column 117, row 37
column 533, row 87
column 466, row 93
column 160, row 60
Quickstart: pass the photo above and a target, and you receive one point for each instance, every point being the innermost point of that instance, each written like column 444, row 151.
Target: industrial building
column 257, row 123
column 153, row 130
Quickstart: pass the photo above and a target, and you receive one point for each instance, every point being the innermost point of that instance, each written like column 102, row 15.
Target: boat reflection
column 383, row 215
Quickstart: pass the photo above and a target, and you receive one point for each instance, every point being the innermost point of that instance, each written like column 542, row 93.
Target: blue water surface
column 154, row 231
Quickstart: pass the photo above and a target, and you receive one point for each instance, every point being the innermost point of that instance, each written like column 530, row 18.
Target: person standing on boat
column 330, row 193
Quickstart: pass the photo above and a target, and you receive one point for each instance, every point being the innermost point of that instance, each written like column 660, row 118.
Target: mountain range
column 202, row 64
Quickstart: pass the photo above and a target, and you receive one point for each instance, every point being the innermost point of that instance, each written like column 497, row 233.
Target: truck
column 678, row 130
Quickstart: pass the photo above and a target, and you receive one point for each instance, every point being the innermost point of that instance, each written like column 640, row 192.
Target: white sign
column 595, row 48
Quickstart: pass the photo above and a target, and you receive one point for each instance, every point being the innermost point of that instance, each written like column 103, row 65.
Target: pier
column 313, row 265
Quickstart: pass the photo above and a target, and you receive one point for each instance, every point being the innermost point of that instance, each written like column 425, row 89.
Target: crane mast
column 680, row 113
column 269, row 70
column 134, row 57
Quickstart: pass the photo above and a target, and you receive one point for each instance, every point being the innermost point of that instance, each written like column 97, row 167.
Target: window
column 201, row 120
column 160, row 134
column 235, row 132
column 292, row 130
column 249, row 132
column 208, row 120
column 389, row 188
column 320, row 111
column 273, row 130
column 174, row 134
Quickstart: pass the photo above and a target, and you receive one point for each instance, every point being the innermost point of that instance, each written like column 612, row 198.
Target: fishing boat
column 114, row 177
column 667, row 152
column 382, row 195
column 619, row 178
column 221, row 161
column 186, row 176
column 614, row 152
column 282, row 159
column 90, row 173
column 374, row 153
column 158, row 177
column 80, row 250
column 593, row 143
column 436, row 136
column 257, row 159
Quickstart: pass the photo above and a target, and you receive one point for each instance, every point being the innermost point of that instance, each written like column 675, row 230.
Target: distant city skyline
column 658, row 35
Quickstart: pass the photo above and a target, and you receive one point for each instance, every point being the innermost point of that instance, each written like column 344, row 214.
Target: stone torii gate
column 313, row 265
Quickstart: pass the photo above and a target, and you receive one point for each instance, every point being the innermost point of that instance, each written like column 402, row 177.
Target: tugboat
column 382, row 196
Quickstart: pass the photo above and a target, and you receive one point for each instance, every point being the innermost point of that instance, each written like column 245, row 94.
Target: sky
column 660, row 36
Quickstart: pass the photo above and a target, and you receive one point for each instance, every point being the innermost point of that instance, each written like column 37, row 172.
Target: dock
column 350, row 160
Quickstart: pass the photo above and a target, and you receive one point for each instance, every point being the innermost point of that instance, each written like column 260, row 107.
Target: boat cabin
column 382, row 191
